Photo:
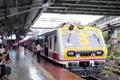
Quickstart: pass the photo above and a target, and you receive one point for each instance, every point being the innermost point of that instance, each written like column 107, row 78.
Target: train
column 78, row 48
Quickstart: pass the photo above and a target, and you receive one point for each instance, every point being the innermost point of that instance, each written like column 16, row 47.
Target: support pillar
column 5, row 40
column 115, row 39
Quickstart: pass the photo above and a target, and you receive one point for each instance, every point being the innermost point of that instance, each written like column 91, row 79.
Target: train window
column 50, row 42
column 71, row 41
column 95, row 41
column 90, row 31
column 73, row 31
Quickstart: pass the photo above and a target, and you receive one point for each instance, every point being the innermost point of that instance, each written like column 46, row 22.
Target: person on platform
column 16, row 45
column 13, row 45
column 2, row 49
column 4, row 52
column 0, row 39
column 3, row 66
column 38, row 51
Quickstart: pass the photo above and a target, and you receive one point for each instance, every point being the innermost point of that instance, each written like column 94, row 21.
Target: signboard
column 90, row 31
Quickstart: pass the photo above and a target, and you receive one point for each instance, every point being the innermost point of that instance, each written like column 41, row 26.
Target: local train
column 77, row 47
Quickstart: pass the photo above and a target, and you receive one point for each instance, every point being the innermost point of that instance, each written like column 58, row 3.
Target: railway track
column 113, row 59
column 100, row 77
column 97, row 77
column 92, row 77
column 113, row 68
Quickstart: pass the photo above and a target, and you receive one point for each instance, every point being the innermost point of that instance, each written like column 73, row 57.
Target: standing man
column 33, row 47
column 38, row 51
column 13, row 45
column 38, row 40
column 18, row 45
column 3, row 41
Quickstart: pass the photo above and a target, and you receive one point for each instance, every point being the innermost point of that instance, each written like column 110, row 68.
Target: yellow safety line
column 46, row 73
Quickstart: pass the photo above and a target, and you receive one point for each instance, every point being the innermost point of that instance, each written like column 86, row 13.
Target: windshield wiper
column 96, row 38
column 69, row 38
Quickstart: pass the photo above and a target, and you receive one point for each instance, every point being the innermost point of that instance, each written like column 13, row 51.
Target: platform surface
column 23, row 67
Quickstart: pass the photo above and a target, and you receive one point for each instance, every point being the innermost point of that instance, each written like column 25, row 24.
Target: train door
column 46, row 46
column 52, row 46
column 55, row 41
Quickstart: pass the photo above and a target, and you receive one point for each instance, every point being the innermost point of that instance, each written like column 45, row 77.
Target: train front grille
column 84, row 64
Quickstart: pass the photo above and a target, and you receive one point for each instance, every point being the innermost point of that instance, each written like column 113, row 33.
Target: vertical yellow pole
column 112, row 46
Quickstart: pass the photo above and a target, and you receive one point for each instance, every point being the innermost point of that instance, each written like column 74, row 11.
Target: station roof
column 17, row 16
column 89, row 7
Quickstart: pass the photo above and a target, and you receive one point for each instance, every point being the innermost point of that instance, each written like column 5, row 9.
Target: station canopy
column 17, row 16
column 89, row 7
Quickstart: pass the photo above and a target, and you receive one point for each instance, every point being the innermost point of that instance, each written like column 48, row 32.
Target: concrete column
column 5, row 40
column 115, row 39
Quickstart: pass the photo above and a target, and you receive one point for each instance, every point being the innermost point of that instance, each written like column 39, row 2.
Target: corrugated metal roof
column 89, row 7
column 17, row 16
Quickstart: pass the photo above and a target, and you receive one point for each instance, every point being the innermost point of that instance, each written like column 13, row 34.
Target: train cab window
column 71, row 41
column 50, row 42
column 95, row 41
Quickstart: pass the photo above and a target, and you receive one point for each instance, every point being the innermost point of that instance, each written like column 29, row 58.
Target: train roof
column 76, row 26
column 53, row 31
column 46, row 34
column 50, row 32
column 92, row 27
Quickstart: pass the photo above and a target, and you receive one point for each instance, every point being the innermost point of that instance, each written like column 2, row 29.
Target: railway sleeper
column 85, row 72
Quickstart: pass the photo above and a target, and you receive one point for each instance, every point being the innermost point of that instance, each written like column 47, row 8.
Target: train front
column 84, row 50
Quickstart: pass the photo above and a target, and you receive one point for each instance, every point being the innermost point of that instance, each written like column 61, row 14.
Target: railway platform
column 25, row 67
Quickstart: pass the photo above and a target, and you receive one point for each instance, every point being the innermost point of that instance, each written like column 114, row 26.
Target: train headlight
column 71, row 27
column 99, row 52
column 71, row 53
